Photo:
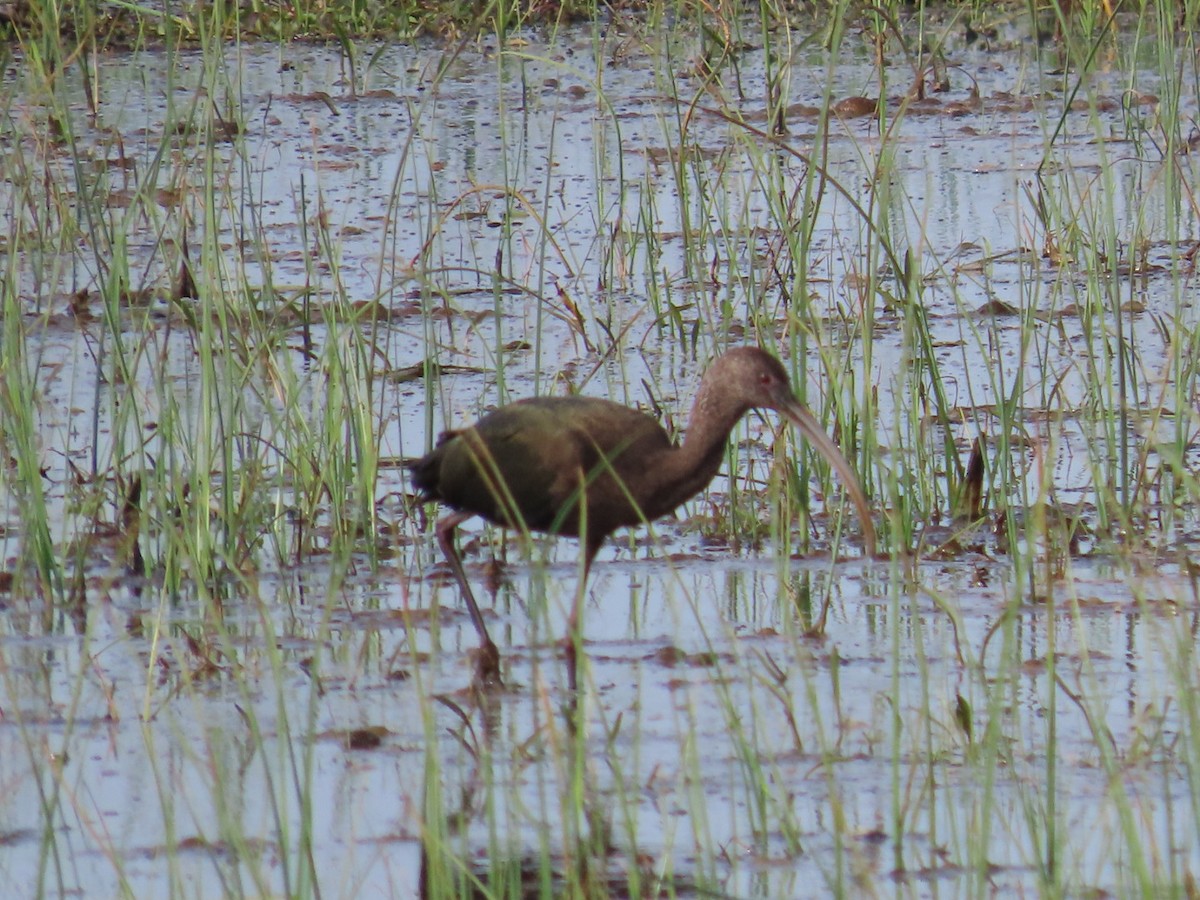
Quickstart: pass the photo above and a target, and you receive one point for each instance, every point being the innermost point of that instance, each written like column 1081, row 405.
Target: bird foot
column 487, row 667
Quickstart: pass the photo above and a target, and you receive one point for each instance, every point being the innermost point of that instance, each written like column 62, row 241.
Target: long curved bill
column 798, row 415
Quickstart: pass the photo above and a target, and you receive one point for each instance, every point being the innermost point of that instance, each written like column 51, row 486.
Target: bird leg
column 487, row 660
column 571, row 646
column 573, row 642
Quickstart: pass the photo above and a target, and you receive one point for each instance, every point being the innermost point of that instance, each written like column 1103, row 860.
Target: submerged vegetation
column 247, row 276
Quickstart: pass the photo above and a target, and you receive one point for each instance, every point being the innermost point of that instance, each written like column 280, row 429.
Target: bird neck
column 694, row 464
column 710, row 423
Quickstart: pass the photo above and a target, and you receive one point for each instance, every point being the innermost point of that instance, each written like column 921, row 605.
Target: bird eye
column 765, row 378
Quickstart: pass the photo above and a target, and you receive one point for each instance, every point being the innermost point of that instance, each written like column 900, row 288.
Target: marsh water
column 526, row 218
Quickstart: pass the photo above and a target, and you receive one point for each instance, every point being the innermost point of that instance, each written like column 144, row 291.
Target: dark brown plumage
column 584, row 467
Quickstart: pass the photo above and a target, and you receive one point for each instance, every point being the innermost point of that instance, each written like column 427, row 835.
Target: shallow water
column 181, row 751
column 689, row 665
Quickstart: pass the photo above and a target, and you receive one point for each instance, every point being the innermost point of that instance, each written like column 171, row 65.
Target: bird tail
column 426, row 472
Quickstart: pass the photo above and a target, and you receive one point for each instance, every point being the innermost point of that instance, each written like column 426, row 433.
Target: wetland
column 245, row 282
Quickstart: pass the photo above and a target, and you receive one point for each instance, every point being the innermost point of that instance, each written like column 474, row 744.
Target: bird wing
column 523, row 464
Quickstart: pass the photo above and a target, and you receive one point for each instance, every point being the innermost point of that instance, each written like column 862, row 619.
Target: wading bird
column 584, row 467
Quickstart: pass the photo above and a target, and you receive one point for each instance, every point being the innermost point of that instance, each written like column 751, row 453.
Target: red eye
column 765, row 378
